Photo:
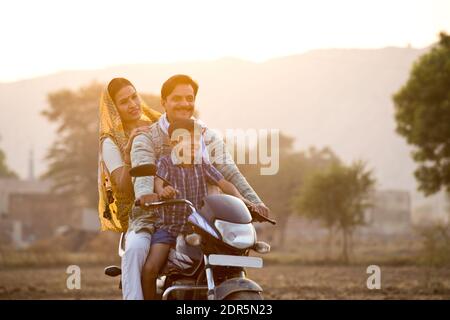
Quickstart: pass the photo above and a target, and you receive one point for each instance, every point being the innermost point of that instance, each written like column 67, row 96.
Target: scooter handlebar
column 162, row 203
column 255, row 215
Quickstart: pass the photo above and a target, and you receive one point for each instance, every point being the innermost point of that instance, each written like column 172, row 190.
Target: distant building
column 29, row 211
column 390, row 213
column 432, row 209
column 6, row 232
column 41, row 213
column 31, row 166
column 12, row 185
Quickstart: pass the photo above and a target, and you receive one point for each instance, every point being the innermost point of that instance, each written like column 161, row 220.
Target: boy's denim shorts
column 163, row 236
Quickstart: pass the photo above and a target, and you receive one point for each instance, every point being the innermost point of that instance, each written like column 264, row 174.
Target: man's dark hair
column 116, row 84
column 175, row 80
column 187, row 124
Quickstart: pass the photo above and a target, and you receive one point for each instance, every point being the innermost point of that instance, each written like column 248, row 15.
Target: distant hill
column 336, row 97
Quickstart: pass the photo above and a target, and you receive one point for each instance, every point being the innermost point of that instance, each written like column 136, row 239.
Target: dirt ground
column 278, row 281
column 307, row 268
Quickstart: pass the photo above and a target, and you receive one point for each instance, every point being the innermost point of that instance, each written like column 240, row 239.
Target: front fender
column 235, row 285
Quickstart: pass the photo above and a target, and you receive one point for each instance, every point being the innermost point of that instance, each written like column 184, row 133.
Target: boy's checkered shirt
column 191, row 182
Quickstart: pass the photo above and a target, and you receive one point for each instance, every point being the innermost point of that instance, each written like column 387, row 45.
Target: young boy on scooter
column 188, row 170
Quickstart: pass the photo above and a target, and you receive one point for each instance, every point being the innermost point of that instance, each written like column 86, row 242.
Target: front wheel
column 245, row 295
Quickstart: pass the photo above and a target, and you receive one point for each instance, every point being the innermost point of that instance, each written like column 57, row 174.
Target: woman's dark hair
column 116, row 84
column 175, row 80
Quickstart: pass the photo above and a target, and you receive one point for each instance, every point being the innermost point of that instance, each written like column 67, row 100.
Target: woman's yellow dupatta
column 114, row 207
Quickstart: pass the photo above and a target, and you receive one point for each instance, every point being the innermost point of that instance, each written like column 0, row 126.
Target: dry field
column 303, row 270
column 278, row 281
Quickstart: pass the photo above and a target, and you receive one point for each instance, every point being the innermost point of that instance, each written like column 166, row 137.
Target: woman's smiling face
column 128, row 104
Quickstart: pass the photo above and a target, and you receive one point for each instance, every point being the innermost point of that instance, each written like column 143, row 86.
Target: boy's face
column 187, row 146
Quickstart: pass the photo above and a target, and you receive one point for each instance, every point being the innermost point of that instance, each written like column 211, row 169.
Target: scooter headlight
column 240, row 236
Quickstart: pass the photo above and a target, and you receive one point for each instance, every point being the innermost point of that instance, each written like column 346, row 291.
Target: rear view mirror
column 146, row 170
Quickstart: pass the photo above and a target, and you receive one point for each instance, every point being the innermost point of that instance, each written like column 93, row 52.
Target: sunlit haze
column 42, row 37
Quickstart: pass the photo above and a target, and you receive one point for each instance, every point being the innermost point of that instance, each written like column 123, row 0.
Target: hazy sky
column 41, row 37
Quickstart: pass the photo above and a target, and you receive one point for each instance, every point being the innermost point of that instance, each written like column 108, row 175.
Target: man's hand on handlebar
column 260, row 213
column 168, row 192
column 261, row 209
column 251, row 206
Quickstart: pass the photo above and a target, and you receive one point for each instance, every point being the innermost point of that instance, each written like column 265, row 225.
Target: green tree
column 5, row 172
column 278, row 190
column 73, row 156
column 422, row 112
column 338, row 197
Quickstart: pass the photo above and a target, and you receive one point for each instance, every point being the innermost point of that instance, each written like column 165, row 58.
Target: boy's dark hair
column 116, row 84
column 187, row 124
column 175, row 80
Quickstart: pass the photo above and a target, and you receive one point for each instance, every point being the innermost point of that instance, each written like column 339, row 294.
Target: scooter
column 210, row 262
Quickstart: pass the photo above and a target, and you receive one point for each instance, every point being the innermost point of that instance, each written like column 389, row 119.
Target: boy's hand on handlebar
column 168, row 192
column 146, row 199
